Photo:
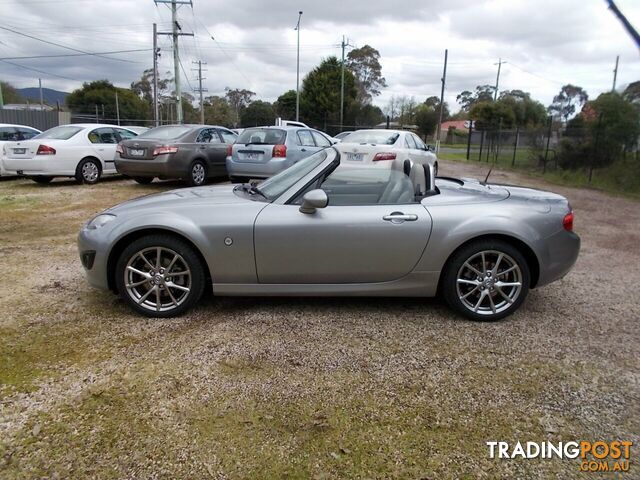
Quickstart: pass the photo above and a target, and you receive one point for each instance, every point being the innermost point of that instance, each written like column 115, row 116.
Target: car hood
column 184, row 197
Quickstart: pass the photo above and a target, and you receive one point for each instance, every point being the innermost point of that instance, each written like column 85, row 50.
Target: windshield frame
column 292, row 186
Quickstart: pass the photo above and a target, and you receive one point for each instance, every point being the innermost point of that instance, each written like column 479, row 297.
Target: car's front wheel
column 486, row 280
column 197, row 174
column 88, row 171
column 160, row 276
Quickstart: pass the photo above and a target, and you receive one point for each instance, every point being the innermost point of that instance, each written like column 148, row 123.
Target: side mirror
column 314, row 199
column 431, row 148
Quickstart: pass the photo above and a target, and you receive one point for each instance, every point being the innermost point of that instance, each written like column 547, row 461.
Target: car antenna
column 487, row 177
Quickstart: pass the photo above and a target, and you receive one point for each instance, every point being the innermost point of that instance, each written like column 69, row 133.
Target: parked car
column 327, row 228
column 13, row 133
column 83, row 151
column 364, row 147
column 261, row 152
column 341, row 136
column 192, row 153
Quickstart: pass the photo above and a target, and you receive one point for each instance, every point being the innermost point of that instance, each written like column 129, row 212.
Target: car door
column 364, row 235
column 208, row 143
column 103, row 143
column 423, row 153
column 412, row 148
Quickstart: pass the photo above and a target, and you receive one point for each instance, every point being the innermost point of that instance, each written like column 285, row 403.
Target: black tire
column 88, row 171
column 42, row 179
column 170, row 246
column 459, row 280
column 143, row 180
column 235, row 179
column 197, row 175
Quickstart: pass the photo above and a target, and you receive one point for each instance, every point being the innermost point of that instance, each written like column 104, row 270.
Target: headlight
column 100, row 221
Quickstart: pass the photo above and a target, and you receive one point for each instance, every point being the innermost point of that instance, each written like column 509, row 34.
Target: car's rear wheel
column 197, row 174
column 42, row 179
column 88, row 171
column 143, row 180
column 160, row 276
column 486, row 280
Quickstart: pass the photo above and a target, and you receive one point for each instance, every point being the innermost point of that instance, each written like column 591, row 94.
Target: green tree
column 467, row 99
column 257, row 113
column 286, row 105
column 238, row 99
column 434, row 103
column 143, row 87
column 427, row 119
column 359, row 115
column 493, row 115
column 566, row 102
column 103, row 94
column 364, row 63
column 217, row 111
column 10, row 94
column 528, row 112
column 320, row 96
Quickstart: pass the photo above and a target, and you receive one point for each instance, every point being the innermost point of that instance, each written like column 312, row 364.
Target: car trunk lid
column 139, row 149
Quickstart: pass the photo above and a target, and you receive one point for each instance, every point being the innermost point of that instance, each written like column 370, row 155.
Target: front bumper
column 257, row 170
column 562, row 252
column 94, row 257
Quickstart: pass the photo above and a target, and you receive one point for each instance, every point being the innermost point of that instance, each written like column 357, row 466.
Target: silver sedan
column 323, row 228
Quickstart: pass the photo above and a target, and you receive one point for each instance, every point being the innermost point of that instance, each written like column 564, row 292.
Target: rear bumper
column 37, row 166
column 257, row 170
column 161, row 166
column 562, row 252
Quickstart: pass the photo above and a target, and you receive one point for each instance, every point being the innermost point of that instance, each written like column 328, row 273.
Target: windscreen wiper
column 254, row 143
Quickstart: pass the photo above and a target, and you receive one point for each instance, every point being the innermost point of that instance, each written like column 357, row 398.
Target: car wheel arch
column 91, row 157
column 122, row 242
column 527, row 252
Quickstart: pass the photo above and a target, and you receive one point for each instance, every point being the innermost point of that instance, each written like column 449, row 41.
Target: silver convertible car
column 322, row 228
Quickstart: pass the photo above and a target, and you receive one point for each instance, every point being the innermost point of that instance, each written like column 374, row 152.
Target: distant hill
column 50, row 96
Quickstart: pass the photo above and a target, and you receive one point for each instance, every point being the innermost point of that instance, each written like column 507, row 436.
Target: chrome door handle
column 399, row 217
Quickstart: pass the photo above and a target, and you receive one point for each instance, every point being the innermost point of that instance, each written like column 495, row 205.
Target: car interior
column 347, row 185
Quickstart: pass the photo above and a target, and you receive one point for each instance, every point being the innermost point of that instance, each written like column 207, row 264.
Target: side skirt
column 416, row 284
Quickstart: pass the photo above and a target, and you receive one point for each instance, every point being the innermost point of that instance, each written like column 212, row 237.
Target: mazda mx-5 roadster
column 326, row 228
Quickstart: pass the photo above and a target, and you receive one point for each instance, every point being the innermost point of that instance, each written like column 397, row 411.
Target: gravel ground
column 306, row 388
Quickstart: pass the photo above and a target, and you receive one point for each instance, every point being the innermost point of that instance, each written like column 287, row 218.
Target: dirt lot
column 305, row 388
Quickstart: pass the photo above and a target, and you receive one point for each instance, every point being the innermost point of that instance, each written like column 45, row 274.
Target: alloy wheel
column 489, row 282
column 158, row 279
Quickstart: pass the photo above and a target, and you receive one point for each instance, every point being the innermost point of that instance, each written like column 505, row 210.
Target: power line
column 40, row 71
column 60, row 45
column 33, row 57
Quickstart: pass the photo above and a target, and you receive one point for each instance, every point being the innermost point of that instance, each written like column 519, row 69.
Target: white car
column 13, row 133
column 386, row 148
column 83, row 151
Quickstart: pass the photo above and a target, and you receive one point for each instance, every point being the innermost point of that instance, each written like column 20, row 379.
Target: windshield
column 166, row 133
column 372, row 136
column 280, row 183
column 264, row 136
column 63, row 132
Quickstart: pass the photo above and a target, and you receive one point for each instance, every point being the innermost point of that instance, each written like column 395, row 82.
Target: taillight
column 164, row 150
column 229, row 150
column 45, row 150
column 567, row 222
column 384, row 156
column 119, row 149
column 279, row 151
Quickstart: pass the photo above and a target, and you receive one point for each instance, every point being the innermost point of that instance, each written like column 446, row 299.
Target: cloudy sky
column 252, row 43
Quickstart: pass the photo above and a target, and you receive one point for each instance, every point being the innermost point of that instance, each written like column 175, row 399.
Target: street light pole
column 298, row 70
